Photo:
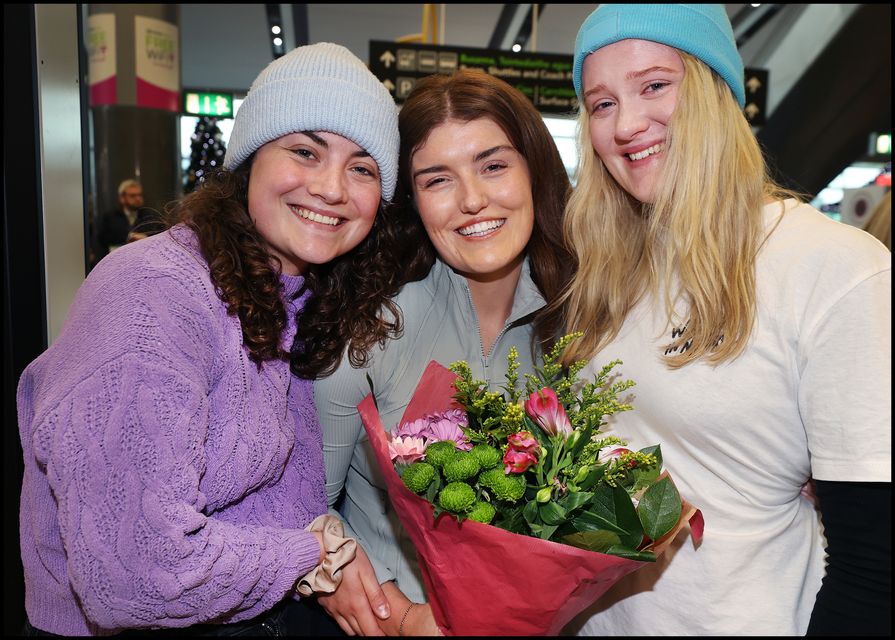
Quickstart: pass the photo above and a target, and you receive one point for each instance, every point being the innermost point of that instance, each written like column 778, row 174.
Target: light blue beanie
column 319, row 87
column 702, row 30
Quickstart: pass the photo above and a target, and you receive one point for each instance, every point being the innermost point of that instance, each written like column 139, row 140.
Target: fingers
column 345, row 625
column 375, row 596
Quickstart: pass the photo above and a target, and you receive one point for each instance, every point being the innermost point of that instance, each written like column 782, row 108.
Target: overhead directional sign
column 756, row 81
column 545, row 78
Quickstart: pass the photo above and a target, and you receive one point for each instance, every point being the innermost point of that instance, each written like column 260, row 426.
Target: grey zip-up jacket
column 440, row 324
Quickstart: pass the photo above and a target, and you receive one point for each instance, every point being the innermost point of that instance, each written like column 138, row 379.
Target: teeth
column 315, row 217
column 640, row 155
column 481, row 228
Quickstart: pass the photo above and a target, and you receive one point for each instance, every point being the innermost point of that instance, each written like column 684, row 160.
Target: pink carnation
column 406, row 449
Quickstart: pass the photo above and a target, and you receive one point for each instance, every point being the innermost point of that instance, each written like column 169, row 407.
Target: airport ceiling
column 829, row 65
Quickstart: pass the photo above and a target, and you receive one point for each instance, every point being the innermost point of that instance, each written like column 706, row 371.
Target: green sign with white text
column 200, row 103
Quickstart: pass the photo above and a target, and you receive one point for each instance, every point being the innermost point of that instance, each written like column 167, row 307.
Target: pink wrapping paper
column 483, row 580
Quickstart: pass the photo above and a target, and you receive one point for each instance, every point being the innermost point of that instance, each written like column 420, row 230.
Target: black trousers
column 290, row 617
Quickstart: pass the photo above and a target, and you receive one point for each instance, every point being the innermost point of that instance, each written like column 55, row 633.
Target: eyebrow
column 479, row 156
column 632, row 75
column 323, row 143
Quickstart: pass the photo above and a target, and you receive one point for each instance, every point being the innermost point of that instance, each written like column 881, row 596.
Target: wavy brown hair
column 470, row 95
column 347, row 293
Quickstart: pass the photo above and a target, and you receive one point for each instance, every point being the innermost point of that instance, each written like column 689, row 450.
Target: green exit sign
column 199, row 103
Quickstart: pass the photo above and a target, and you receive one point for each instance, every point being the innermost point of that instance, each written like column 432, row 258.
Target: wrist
column 336, row 552
column 404, row 616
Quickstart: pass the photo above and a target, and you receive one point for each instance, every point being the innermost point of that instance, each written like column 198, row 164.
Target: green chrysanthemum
column 462, row 466
column 438, row 453
column 456, row 497
column 418, row 476
column 503, row 487
column 488, row 456
column 482, row 512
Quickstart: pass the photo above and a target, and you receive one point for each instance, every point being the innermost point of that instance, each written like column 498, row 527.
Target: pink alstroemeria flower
column 612, row 452
column 407, row 449
column 523, row 441
column 518, row 461
column 544, row 408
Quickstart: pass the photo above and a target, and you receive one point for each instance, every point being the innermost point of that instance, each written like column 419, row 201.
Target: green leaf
column 591, row 521
column 530, row 513
column 586, row 433
column 656, row 450
column 543, row 531
column 644, row 476
column 572, row 501
column 551, row 513
column 625, row 552
column 614, row 504
column 593, row 477
column 598, row 541
column 434, row 488
column 660, row 508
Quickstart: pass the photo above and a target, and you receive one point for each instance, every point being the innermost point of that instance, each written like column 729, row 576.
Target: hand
column 359, row 603
column 419, row 620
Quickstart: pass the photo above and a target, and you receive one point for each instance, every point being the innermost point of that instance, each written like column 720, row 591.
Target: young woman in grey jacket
column 481, row 180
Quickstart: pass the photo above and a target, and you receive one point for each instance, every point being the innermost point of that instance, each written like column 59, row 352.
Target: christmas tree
column 206, row 151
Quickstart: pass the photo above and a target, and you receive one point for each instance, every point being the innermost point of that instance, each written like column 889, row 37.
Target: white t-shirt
column 810, row 396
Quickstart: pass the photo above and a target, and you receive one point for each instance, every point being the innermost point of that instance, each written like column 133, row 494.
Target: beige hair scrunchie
column 326, row 576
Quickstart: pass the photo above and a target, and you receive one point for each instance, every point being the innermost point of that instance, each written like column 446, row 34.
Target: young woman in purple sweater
column 172, row 460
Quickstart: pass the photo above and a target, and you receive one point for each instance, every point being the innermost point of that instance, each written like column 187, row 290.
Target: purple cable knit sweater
column 167, row 481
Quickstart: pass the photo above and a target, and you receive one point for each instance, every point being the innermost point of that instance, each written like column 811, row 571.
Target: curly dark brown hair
column 352, row 302
column 348, row 293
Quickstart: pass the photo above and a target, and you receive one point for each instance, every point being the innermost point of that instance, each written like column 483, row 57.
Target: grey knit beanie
column 319, row 87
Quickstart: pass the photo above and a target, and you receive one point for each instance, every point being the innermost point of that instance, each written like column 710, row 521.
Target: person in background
column 129, row 222
column 174, row 474
column 483, row 183
column 880, row 223
column 757, row 329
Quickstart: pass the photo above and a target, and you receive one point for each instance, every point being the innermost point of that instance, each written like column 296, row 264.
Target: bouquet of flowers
column 516, row 493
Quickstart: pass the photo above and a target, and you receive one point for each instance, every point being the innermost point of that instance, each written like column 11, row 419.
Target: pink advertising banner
column 101, row 59
column 157, row 48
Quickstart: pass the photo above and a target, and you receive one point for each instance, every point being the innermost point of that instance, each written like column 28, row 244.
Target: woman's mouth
column 481, row 228
column 313, row 216
column 640, row 155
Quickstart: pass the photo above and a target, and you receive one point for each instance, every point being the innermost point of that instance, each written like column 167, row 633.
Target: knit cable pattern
column 167, row 480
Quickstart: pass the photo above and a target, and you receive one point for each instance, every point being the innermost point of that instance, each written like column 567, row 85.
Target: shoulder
column 174, row 253
column 805, row 240
column 161, row 276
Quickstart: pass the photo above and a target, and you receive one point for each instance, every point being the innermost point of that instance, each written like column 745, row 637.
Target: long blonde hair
column 697, row 242
column 880, row 223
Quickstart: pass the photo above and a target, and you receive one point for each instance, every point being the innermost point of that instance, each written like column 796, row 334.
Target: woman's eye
column 495, row 166
column 304, row 153
column 365, row 171
column 433, row 182
column 600, row 105
column 656, row 86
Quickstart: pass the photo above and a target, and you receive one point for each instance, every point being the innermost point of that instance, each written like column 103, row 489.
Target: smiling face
column 473, row 193
column 630, row 91
column 313, row 196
